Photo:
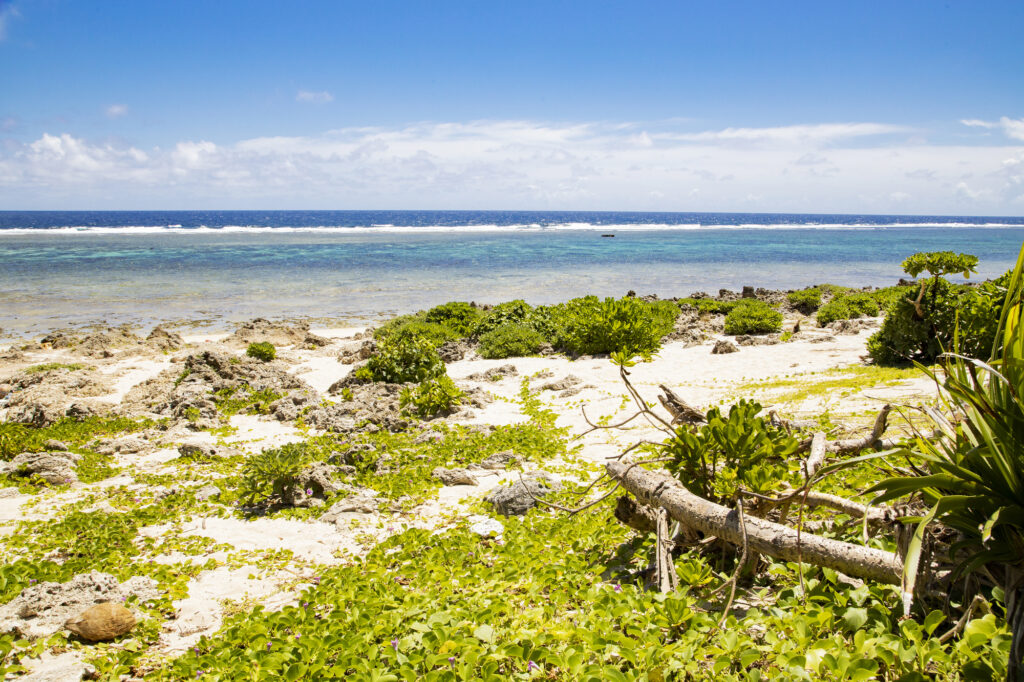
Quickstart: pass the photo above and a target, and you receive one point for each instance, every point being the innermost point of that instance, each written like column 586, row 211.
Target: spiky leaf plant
column 974, row 478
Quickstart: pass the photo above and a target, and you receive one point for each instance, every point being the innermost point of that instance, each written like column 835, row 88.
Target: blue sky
column 880, row 107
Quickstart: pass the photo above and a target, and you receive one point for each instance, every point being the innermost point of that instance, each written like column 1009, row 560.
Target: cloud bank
column 833, row 167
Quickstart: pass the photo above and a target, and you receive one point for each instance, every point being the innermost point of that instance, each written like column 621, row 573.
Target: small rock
column 724, row 346
column 485, row 526
column 362, row 502
column 519, row 498
column 452, row 351
column 500, row 460
column 55, row 445
column 207, row 492
column 562, row 384
column 454, row 476
column 495, row 373
column 5, row 390
column 197, row 450
column 102, row 622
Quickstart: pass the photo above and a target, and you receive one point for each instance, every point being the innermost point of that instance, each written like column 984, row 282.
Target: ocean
column 215, row 268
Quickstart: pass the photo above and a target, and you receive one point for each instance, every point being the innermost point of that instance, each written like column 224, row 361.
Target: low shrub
column 458, row 316
column 272, row 474
column 510, row 340
column 950, row 310
column 262, row 350
column 805, row 300
column 432, row 397
column 519, row 312
column 752, row 316
column 403, row 357
column 417, row 325
column 590, row 326
column 847, row 307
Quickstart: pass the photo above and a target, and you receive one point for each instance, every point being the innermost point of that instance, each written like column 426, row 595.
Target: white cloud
column 319, row 97
column 1013, row 128
column 7, row 12
column 116, row 110
column 522, row 164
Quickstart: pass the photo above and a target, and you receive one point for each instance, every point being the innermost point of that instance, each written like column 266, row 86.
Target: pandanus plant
column 973, row 467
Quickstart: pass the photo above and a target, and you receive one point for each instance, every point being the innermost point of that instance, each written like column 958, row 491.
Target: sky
column 910, row 107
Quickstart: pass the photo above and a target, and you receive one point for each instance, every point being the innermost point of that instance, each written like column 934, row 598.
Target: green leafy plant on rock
column 262, row 350
column 459, row 316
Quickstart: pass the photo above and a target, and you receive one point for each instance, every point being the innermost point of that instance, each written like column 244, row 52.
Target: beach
column 227, row 559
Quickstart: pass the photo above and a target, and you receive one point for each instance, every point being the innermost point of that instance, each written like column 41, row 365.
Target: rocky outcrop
column 56, row 468
column 43, row 609
column 521, row 496
column 723, row 346
column 104, row 343
column 495, row 373
column 373, row 407
column 278, row 333
column 759, row 339
column 161, row 339
column 358, row 353
column 42, row 397
column 500, row 460
column 453, row 351
column 312, row 485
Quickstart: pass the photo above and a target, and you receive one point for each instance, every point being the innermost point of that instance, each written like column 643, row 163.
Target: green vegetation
column 432, row 397
column 752, row 316
column 591, row 326
column 708, row 305
column 403, row 357
column 847, row 307
column 76, row 434
column 805, row 300
column 919, row 330
column 838, row 382
column 970, row 479
column 741, row 449
column 460, row 317
column 271, row 476
column 51, row 366
column 512, row 339
column 263, row 350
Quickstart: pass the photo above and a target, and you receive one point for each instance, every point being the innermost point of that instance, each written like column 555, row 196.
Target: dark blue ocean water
column 71, row 268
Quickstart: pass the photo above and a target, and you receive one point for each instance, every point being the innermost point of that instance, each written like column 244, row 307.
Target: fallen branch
column 773, row 539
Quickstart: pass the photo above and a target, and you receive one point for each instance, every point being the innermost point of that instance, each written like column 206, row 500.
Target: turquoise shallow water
column 143, row 274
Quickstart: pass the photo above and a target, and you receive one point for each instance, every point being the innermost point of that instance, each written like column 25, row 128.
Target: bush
column 432, row 397
column 272, row 474
column 458, row 316
column 590, row 326
column 906, row 337
column 511, row 312
column 403, row 357
column 510, row 341
column 263, row 350
column 847, row 307
column 805, row 300
column 752, row 316
column 417, row 325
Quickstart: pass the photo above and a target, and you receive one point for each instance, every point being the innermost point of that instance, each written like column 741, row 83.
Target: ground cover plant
column 403, row 357
column 594, row 326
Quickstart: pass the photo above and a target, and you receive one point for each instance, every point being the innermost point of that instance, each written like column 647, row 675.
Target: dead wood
column 775, row 540
column 682, row 413
column 637, row 516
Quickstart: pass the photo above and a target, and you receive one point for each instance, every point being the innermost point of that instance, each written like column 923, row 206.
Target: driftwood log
column 660, row 491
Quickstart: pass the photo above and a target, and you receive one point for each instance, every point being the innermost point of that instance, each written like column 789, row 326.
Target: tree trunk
column 765, row 537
